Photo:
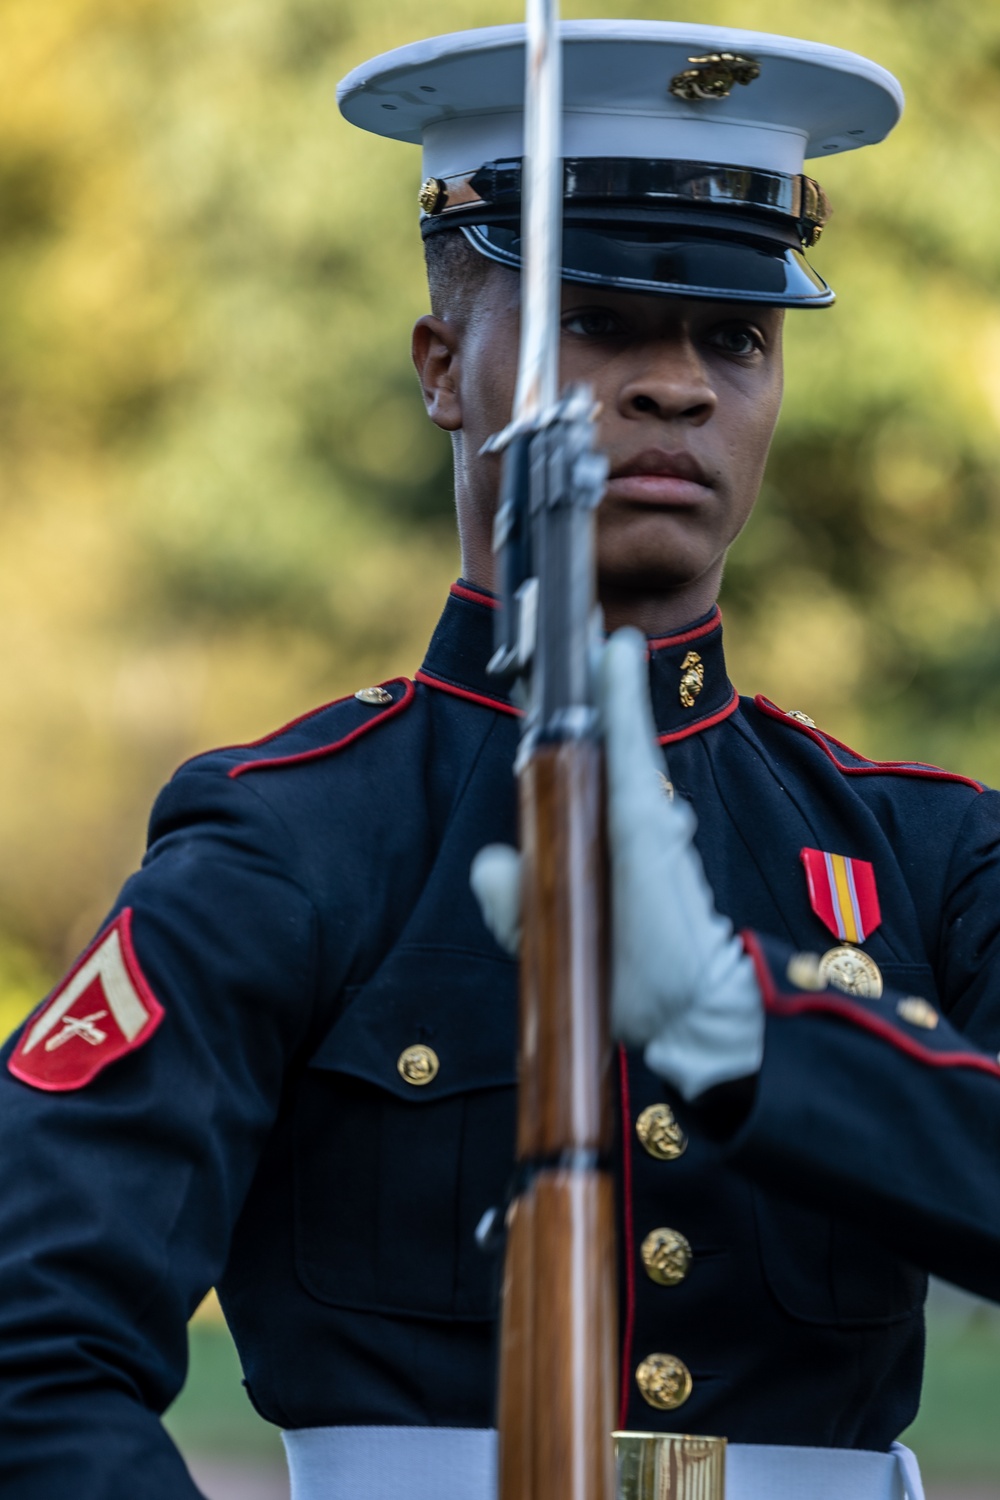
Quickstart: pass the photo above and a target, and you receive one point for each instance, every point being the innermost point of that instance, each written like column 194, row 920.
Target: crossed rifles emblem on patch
column 81, row 1026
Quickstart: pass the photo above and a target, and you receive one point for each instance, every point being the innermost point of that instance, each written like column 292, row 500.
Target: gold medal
column 851, row 970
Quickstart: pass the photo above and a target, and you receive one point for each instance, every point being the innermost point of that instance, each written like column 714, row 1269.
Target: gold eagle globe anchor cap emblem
column 713, row 76
column 666, row 173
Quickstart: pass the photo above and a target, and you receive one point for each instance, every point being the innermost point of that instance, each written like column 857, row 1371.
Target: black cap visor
column 670, row 260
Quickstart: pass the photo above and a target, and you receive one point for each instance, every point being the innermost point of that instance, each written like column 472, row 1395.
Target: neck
column 655, row 611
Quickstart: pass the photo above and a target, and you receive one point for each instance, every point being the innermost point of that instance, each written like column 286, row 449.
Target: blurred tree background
column 220, row 501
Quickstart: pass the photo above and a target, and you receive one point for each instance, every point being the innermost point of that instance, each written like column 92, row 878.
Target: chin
column 653, row 554
column 623, row 571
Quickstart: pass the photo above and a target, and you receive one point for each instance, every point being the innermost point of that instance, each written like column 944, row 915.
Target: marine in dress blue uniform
column 286, row 1067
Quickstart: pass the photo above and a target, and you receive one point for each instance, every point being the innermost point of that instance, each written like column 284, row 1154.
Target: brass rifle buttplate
column 713, row 76
column 852, row 970
column 669, row 1466
column 692, row 678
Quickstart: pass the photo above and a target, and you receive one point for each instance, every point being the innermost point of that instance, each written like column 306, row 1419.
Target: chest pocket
column 825, row 1270
column 393, row 1176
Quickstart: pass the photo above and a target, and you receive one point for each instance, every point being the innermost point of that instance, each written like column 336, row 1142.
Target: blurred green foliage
column 220, row 500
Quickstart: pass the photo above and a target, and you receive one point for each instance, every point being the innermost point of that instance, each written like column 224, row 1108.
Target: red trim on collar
column 712, row 623
column 629, row 1329
column 508, row 708
column 462, row 591
column 460, row 692
column 700, row 724
column 319, row 751
column 827, row 1003
column 873, row 767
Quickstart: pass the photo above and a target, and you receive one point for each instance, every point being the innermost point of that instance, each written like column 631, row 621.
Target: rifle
column 558, row 1336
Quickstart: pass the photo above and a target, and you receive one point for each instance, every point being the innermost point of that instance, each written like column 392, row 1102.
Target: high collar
column 687, row 671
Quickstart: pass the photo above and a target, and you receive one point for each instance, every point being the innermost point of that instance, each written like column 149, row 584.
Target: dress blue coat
column 303, row 915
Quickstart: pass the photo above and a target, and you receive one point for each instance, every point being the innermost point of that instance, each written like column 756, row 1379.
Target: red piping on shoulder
column 700, row 724
column 842, row 1006
column 712, row 623
column 462, row 591
column 629, row 1329
column 460, row 692
column 319, row 751
column 874, row 767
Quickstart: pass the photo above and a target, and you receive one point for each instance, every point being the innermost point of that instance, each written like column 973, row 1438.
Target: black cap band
column 492, row 193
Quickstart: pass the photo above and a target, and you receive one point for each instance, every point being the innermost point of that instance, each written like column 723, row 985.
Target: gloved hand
column 681, row 985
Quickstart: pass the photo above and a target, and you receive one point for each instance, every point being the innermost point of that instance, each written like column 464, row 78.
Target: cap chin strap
column 626, row 182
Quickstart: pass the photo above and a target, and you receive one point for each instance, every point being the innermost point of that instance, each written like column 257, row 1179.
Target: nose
column 670, row 383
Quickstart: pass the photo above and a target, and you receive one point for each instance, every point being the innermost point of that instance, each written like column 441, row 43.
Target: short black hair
column 456, row 273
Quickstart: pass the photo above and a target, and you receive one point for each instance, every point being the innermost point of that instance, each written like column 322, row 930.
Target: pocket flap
column 460, row 1004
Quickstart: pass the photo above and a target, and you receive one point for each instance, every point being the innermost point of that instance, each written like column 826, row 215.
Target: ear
column 435, row 350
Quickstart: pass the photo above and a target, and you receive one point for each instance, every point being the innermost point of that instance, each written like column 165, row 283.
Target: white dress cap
column 683, row 148
column 462, row 96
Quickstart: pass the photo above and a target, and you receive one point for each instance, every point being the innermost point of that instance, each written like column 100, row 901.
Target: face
column 689, row 393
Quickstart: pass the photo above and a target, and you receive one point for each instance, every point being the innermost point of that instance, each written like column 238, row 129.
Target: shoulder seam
column 444, row 685
column 318, row 752
column 916, row 769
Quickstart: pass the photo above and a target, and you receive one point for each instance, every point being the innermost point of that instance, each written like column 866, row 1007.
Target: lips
column 661, row 477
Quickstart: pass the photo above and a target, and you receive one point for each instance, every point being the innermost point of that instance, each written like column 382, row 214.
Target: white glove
column 681, row 984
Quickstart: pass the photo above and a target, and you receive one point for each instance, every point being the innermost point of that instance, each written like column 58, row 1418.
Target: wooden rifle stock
column 558, row 1339
column 558, row 1324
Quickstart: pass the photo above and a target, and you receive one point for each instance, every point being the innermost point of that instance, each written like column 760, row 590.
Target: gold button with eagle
column 418, row 1065
column 660, row 1134
column 666, row 1256
column 918, row 1011
column 664, row 1381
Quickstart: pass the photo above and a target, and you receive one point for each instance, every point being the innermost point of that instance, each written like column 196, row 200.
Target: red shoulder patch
column 102, row 1009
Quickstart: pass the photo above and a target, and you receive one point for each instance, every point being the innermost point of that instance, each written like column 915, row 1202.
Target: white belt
column 460, row 1463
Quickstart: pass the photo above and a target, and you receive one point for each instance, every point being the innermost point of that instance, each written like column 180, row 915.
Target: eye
column 592, row 322
column 741, row 339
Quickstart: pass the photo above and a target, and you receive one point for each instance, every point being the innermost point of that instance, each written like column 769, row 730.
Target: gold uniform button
column 660, row 1133
column 418, row 1065
column 803, row 971
column 376, row 696
column 796, row 713
column 918, row 1012
column 664, row 1381
column 433, row 195
column 666, row 1255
